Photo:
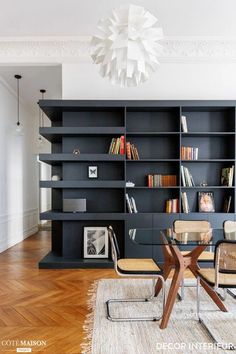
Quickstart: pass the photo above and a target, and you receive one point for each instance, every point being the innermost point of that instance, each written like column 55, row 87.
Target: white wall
column 18, row 173
column 203, row 80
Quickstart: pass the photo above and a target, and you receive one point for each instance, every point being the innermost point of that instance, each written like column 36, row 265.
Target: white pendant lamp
column 127, row 47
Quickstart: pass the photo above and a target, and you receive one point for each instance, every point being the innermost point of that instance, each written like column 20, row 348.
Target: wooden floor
column 42, row 305
column 39, row 304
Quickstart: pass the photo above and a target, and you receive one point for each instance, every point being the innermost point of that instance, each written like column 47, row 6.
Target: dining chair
column 134, row 268
column 230, row 234
column 222, row 276
column 185, row 226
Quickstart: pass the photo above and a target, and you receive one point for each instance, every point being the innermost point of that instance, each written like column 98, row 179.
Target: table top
column 155, row 236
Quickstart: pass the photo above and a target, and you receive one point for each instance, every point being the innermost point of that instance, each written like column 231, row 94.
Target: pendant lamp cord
column 18, row 103
column 42, row 114
column 18, row 77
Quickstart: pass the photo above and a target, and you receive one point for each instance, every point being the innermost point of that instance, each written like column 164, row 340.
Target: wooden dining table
column 173, row 259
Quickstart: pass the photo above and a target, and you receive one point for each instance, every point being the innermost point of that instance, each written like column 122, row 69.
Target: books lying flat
column 227, row 175
column 189, row 153
column 131, row 204
column 161, row 180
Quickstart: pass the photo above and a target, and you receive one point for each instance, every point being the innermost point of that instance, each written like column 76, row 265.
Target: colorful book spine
column 162, row 180
column 189, row 153
column 122, row 145
column 150, row 181
column 172, row 206
column 128, row 151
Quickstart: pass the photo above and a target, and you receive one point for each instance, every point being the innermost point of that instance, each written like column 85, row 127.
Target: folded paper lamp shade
column 127, row 47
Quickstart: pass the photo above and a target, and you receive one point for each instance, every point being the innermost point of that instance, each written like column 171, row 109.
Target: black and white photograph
column 92, row 172
column 95, row 242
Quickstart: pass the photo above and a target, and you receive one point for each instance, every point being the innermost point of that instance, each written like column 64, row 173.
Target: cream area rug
column 184, row 334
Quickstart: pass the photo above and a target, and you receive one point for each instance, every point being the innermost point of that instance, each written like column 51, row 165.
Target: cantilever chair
column 230, row 234
column 182, row 226
column 134, row 268
column 223, row 275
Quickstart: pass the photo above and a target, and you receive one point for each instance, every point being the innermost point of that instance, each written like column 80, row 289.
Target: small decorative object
column 127, row 47
column 92, row 172
column 95, row 242
column 130, row 184
column 206, row 202
column 76, row 152
column 56, row 178
column 203, row 184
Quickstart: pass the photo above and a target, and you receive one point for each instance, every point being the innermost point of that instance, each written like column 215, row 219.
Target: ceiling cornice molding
column 56, row 50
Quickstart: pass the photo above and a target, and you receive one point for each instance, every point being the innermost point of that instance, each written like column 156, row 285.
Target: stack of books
column 131, row 204
column 184, row 124
column 117, row 146
column 187, row 178
column 161, row 180
column 189, row 153
column 227, row 175
column 172, row 206
column 131, row 151
column 185, row 204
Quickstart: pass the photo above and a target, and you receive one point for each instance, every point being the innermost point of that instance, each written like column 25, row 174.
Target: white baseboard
column 14, row 228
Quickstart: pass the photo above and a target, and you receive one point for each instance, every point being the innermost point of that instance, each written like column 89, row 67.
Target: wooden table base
column 173, row 259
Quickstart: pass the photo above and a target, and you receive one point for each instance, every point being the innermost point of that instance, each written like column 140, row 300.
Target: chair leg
column 231, row 293
column 132, row 319
column 222, row 296
column 181, row 295
column 204, row 325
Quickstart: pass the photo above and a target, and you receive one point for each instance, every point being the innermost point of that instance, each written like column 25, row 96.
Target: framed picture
column 206, row 202
column 95, row 242
column 92, row 172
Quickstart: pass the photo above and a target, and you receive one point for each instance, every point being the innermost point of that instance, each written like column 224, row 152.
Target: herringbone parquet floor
column 42, row 305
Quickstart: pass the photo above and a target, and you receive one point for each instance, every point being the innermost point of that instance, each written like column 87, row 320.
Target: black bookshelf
column 155, row 128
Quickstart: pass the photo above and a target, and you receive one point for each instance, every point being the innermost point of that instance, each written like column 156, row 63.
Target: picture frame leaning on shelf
column 206, row 202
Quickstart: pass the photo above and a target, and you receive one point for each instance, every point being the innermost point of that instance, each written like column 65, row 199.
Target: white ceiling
column 79, row 17
column 33, row 79
column 209, row 18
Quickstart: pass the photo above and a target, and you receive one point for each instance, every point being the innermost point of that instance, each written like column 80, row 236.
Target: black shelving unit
column 155, row 128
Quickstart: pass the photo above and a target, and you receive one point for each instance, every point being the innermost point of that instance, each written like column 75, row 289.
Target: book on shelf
column 185, row 204
column 227, row 175
column 131, row 204
column 187, row 178
column 184, row 124
column 117, row 146
column 128, row 151
column 189, row 153
column 161, row 180
column 172, row 206
column 226, row 204
column 131, row 151
column 150, row 180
